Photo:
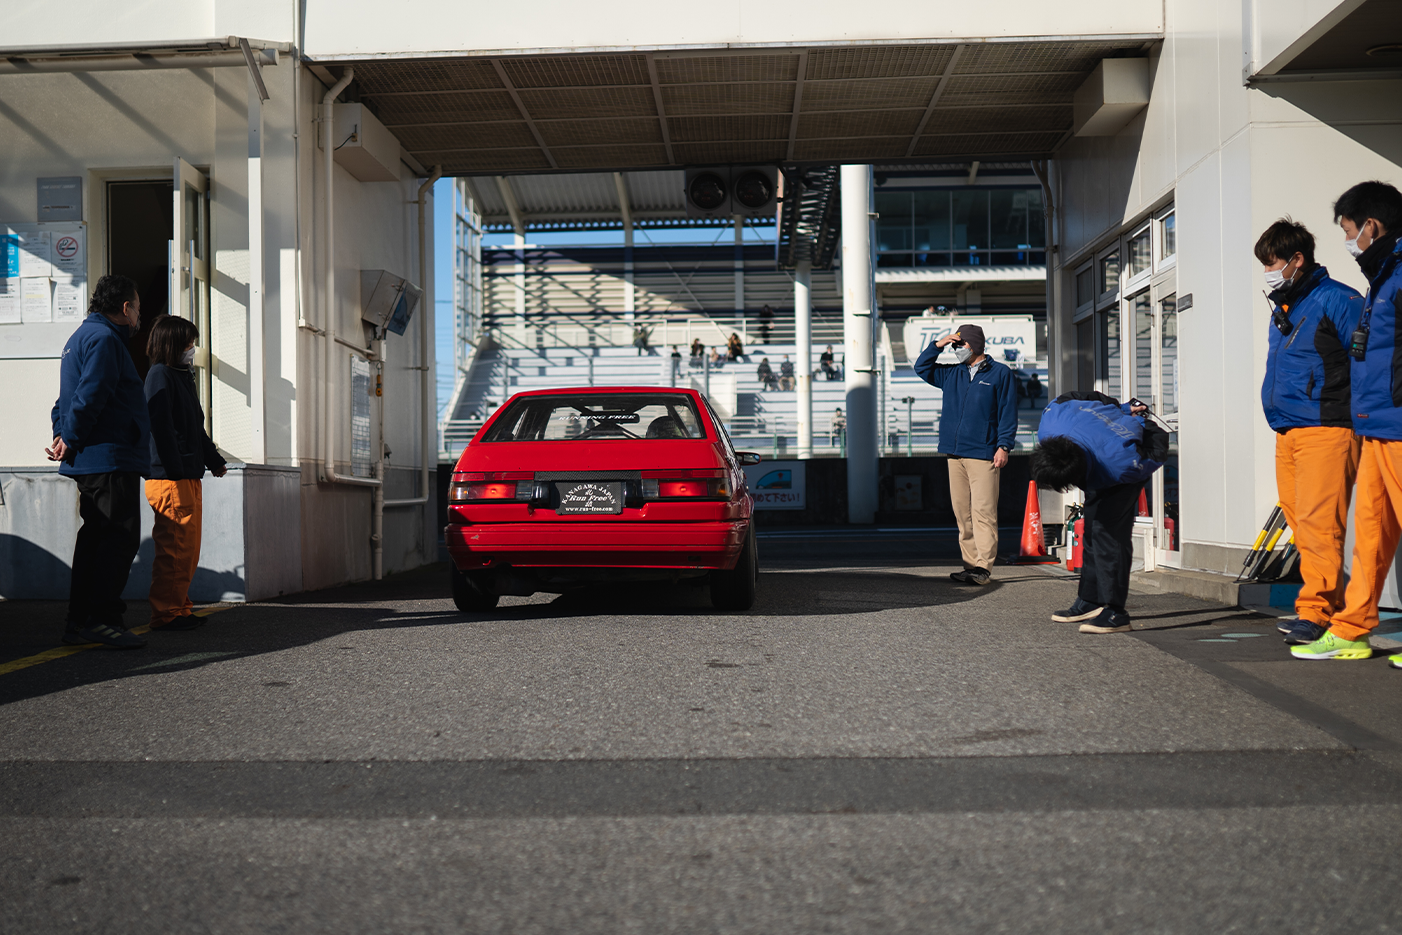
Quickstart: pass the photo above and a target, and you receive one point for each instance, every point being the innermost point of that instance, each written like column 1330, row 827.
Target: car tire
column 735, row 589
column 470, row 592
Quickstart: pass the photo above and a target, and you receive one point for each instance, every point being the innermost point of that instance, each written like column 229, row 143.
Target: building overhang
column 1354, row 40
column 960, row 275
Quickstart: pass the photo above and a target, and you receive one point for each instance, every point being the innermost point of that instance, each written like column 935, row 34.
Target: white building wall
column 1232, row 159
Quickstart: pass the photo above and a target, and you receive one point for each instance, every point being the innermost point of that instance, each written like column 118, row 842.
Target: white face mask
column 1275, row 278
column 1352, row 245
column 962, row 354
column 187, row 358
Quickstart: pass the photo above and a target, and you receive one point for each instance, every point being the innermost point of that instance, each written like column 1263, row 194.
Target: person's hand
column 219, row 471
column 1000, row 459
column 58, row 450
column 1138, row 410
column 947, row 339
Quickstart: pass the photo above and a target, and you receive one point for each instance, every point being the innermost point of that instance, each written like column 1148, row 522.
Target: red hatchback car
column 563, row 488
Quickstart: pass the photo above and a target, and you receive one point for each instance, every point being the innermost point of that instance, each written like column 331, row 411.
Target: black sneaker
column 960, row 576
column 183, row 622
column 979, row 576
column 1304, row 631
column 1109, row 620
column 105, row 634
column 1081, row 610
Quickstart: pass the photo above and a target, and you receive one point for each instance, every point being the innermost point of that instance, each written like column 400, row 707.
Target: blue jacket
column 979, row 415
column 1377, row 379
column 1307, row 373
column 1120, row 448
column 101, row 409
column 180, row 448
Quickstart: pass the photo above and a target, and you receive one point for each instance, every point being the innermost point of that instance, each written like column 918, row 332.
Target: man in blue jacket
column 1306, row 400
column 1088, row 440
column 1370, row 214
column 978, row 428
column 102, row 439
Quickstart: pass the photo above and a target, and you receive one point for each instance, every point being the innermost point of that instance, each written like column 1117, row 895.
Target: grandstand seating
column 760, row 419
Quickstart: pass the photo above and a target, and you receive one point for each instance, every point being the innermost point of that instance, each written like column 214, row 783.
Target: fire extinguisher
column 1077, row 534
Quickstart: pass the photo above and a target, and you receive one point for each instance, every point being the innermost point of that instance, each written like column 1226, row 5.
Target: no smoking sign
column 66, row 248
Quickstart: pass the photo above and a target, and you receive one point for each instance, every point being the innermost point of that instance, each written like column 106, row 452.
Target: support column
column 625, row 209
column 857, row 308
column 257, row 278
column 740, row 275
column 803, row 337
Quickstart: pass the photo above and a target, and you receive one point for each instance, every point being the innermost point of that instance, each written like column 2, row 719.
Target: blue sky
column 443, row 263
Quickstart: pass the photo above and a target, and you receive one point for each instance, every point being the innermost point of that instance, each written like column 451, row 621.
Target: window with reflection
column 1108, row 360
column 1168, row 235
column 1140, row 254
column 1110, row 272
column 1085, row 287
column 1143, row 317
column 1168, row 353
column 960, row 227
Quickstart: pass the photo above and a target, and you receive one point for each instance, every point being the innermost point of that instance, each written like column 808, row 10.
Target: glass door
column 189, row 269
column 1168, row 532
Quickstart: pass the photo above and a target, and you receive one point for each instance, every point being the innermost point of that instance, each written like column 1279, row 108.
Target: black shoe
column 105, row 634
column 183, row 622
column 961, row 576
column 1304, row 631
column 1109, row 620
column 1081, row 610
column 979, row 576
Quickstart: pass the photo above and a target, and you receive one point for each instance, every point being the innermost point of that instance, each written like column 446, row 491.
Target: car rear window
column 597, row 417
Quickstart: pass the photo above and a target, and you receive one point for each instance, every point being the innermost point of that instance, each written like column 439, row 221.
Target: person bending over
column 1091, row 441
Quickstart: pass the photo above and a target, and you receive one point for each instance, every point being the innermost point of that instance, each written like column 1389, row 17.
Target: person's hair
column 1284, row 239
column 169, row 338
column 1377, row 200
column 1059, row 464
column 110, row 293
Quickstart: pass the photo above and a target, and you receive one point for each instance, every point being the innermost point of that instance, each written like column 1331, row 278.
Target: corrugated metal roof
column 585, row 199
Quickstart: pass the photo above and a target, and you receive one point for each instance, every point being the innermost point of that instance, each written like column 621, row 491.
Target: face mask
column 962, row 354
column 1275, row 278
column 187, row 358
column 1352, row 247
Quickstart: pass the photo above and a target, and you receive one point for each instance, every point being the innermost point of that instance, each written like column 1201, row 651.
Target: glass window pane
column 1036, row 220
column 931, row 219
column 1008, row 220
column 1110, row 273
column 1143, row 348
column 893, row 226
column 970, row 216
column 1168, row 354
column 1085, row 286
column 1109, row 362
column 1085, row 354
column 1168, row 239
column 1139, row 253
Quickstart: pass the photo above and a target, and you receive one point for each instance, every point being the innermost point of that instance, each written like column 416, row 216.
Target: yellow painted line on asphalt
column 59, row 652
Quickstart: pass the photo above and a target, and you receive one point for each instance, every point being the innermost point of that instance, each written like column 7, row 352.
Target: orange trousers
column 1314, row 472
column 177, row 504
column 1375, row 534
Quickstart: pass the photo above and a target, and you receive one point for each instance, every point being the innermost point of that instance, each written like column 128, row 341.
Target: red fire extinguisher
column 1077, row 532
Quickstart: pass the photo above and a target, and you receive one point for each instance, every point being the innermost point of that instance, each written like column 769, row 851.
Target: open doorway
column 139, row 224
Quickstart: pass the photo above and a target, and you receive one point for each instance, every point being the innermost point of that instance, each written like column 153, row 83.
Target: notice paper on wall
column 36, row 300
column 9, row 301
column 70, row 299
column 69, row 258
column 35, row 255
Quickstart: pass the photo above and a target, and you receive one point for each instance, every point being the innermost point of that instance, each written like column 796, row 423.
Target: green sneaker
column 1395, row 661
column 1330, row 646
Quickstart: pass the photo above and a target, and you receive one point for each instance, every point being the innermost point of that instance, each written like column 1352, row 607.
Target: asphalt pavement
column 871, row 748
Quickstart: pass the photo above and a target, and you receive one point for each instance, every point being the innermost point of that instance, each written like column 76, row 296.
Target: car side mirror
column 748, row 457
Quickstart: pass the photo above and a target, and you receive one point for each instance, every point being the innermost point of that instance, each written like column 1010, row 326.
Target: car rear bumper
column 713, row 545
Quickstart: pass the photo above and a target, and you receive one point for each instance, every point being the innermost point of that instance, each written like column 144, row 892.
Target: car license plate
column 590, row 497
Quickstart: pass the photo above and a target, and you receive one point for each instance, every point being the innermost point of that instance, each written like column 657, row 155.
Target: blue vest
column 1109, row 435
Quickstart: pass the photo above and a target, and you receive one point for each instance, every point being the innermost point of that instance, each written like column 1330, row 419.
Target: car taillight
column 475, row 486
column 686, row 488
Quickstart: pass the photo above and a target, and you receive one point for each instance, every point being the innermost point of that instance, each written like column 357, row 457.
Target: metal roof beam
column 797, row 101
column 935, row 98
column 661, row 109
column 525, row 114
column 625, row 206
column 513, row 207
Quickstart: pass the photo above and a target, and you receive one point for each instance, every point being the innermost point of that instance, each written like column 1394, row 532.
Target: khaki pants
column 973, row 487
column 176, row 534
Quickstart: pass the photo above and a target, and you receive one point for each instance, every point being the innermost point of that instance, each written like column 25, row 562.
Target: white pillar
column 857, row 308
column 257, row 368
column 740, row 275
column 803, row 337
column 520, row 276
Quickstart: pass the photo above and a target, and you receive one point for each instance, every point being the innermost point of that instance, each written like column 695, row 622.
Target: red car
column 567, row 487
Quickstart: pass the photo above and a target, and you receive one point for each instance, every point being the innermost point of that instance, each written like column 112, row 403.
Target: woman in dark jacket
column 180, row 452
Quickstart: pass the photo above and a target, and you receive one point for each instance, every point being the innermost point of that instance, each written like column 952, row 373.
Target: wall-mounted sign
column 1009, row 339
column 777, row 485
column 61, row 198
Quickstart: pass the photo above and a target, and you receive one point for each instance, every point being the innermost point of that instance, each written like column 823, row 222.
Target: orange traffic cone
column 1034, row 546
column 1143, row 505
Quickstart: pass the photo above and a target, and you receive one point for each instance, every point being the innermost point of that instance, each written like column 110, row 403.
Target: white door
column 189, row 272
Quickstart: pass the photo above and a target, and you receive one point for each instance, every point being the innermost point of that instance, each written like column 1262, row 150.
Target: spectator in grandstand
column 786, row 374
column 766, row 319
column 825, row 364
column 640, row 336
column 1033, row 389
column 837, row 429
column 697, row 349
column 765, row 375
column 734, row 349
column 717, row 358
column 676, row 363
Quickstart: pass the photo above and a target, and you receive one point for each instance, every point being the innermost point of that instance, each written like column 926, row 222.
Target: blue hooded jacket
column 1377, row 378
column 1120, row 448
column 1307, row 370
column 101, row 409
column 978, row 415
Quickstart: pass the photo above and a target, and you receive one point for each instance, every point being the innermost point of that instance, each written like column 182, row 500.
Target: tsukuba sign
column 1010, row 339
column 777, row 485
